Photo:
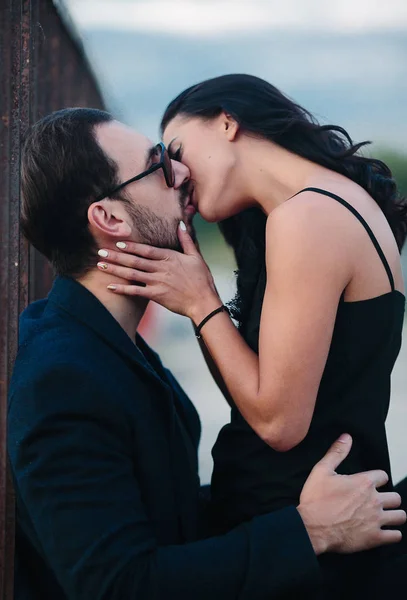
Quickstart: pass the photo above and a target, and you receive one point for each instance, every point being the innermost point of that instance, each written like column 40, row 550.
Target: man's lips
column 190, row 211
column 190, row 207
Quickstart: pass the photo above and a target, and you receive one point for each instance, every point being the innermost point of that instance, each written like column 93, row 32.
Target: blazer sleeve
column 75, row 480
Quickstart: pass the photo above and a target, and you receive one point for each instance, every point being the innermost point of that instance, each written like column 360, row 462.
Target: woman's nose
column 181, row 172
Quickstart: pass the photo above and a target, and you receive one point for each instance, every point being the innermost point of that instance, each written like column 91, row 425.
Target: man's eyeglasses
column 164, row 163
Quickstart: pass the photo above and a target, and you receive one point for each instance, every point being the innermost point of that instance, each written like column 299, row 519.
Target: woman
column 316, row 230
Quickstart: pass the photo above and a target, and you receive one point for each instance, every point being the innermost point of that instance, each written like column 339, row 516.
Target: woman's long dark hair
column 262, row 110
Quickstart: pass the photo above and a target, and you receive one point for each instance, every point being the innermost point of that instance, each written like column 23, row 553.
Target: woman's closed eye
column 175, row 154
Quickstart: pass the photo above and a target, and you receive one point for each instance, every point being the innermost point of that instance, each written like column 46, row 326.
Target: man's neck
column 127, row 310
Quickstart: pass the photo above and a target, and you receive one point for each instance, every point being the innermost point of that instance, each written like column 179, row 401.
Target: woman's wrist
column 205, row 306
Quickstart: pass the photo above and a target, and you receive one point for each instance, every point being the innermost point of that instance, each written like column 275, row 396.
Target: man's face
column 154, row 208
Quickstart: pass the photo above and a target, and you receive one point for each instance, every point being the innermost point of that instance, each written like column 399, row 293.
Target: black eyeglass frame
column 164, row 163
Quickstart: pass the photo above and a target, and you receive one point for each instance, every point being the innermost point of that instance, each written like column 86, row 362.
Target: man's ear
column 109, row 218
column 230, row 126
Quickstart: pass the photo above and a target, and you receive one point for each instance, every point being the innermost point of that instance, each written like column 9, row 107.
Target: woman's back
column 250, row 477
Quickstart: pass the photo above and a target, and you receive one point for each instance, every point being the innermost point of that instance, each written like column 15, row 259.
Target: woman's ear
column 110, row 219
column 230, row 126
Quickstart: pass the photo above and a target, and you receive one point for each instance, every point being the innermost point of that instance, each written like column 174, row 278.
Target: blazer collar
column 73, row 298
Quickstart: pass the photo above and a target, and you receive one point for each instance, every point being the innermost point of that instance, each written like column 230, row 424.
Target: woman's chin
column 209, row 214
column 211, row 208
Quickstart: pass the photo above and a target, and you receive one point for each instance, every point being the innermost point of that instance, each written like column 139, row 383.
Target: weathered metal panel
column 42, row 68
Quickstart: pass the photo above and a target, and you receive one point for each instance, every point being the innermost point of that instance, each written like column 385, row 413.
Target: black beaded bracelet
column 206, row 319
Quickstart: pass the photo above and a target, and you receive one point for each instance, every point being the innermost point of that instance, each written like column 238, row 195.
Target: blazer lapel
column 76, row 300
column 71, row 297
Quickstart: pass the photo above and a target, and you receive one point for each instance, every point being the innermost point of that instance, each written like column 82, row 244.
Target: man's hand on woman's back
column 346, row 513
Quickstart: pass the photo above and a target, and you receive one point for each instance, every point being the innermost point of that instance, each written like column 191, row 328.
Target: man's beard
column 154, row 230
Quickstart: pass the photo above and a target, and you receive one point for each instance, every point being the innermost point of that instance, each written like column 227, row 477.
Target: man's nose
column 181, row 172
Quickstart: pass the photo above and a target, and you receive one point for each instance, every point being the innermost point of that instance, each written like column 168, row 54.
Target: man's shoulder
column 54, row 346
column 48, row 336
column 61, row 369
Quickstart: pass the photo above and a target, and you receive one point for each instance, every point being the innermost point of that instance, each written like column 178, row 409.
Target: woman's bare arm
column 214, row 371
column 309, row 264
column 307, row 271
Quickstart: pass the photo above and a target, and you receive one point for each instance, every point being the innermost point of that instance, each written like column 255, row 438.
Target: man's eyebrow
column 149, row 154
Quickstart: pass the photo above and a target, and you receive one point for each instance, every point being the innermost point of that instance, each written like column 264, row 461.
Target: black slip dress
column 250, row 478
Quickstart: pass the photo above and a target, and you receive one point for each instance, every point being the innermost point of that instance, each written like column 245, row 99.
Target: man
column 102, row 439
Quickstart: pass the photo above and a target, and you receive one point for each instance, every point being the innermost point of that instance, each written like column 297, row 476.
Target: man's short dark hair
column 63, row 170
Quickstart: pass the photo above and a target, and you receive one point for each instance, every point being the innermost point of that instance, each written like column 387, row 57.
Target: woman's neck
column 273, row 174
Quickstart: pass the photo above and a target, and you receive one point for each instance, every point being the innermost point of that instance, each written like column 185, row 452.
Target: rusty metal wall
column 42, row 68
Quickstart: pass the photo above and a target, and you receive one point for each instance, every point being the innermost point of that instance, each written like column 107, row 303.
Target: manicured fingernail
column 182, row 225
column 102, row 266
column 345, row 437
column 121, row 245
column 103, row 253
column 112, row 287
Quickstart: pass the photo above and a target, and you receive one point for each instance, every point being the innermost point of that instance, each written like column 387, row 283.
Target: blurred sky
column 210, row 17
column 345, row 60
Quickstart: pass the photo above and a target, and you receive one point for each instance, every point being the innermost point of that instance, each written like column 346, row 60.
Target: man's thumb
column 187, row 244
column 337, row 452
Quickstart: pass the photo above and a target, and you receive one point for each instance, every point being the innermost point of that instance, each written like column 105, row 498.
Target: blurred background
column 345, row 61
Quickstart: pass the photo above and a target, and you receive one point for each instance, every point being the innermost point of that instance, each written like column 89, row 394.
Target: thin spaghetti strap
column 365, row 225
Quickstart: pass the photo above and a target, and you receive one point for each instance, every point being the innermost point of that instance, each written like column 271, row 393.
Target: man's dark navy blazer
column 103, row 449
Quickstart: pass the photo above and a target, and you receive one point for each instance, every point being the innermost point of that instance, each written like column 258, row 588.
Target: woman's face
column 209, row 150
